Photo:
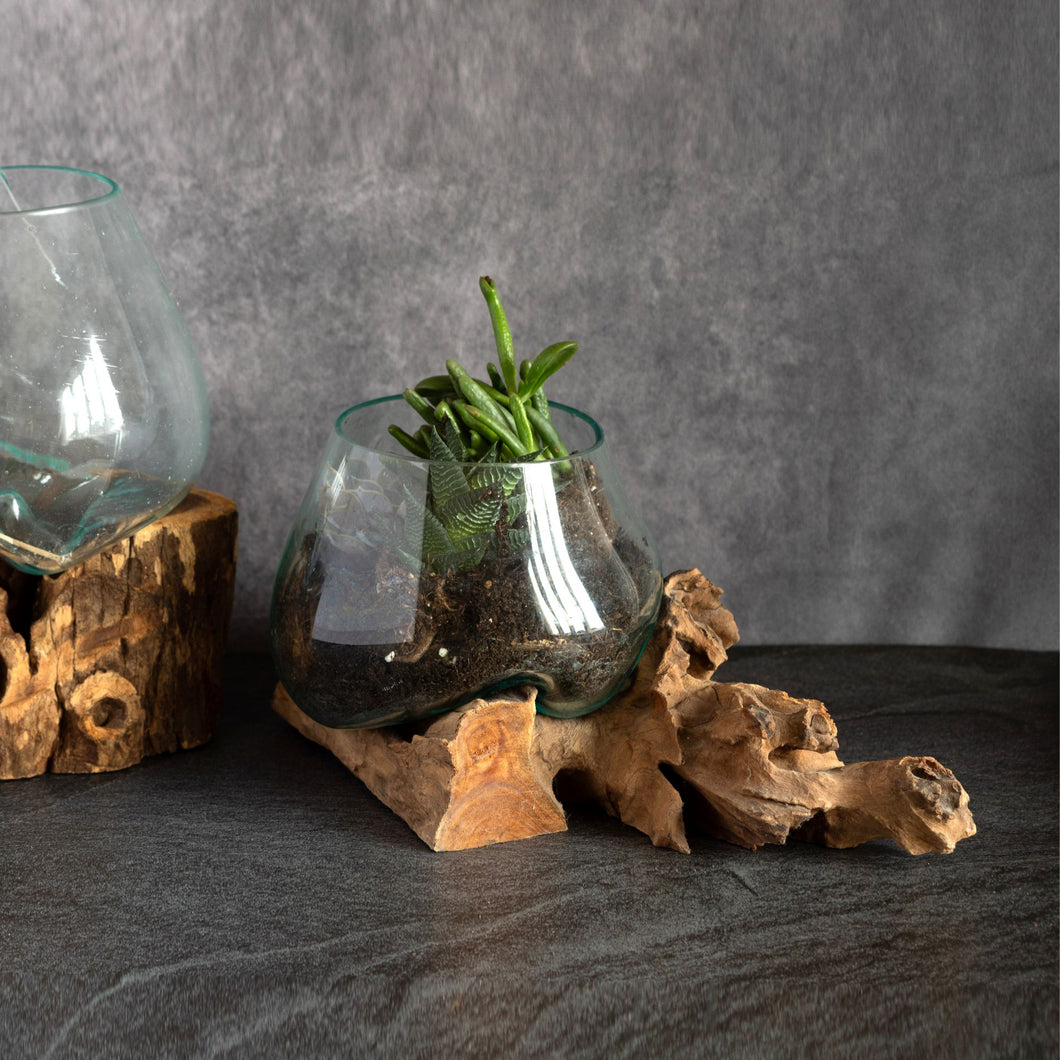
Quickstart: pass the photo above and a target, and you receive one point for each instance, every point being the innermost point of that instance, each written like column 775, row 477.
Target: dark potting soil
column 456, row 635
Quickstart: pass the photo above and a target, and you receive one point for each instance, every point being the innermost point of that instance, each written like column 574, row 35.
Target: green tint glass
column 103, row 409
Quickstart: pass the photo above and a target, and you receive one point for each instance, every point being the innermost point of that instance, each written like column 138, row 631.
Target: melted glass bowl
column 103, row 410
column 410, row 586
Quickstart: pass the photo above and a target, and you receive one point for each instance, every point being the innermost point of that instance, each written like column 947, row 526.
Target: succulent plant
column 473, row 432
column 503, row 420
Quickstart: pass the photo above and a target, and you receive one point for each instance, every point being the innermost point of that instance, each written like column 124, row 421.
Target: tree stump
column 118, row 658
column 742, row 762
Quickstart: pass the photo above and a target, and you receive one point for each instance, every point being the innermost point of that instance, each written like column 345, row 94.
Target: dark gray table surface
column 252, row 899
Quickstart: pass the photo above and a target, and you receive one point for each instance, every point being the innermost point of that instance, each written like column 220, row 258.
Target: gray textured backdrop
column 809, row 250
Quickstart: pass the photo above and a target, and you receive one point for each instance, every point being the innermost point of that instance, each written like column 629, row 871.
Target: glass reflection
column 89, row 405
column 562, row 599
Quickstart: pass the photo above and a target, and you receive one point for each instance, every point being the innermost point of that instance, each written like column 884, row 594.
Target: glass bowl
column 409, row 586
column 103, row 410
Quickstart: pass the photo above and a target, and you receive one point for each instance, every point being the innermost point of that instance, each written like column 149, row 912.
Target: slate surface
column 251, row 899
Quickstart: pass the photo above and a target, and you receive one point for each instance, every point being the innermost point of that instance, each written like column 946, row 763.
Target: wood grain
column 119, row 657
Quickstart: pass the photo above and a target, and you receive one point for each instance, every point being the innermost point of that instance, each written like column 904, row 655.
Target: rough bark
column 119, row 657
column 744, row 763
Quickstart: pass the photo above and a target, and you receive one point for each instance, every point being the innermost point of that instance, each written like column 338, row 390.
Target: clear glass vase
column 103, row 409
column 410, row 586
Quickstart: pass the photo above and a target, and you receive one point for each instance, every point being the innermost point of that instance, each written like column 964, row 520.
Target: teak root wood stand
column 742, row 762
column 120, row 657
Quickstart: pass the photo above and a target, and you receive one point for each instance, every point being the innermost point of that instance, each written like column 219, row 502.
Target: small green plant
column 503, row 420
column 472, row 430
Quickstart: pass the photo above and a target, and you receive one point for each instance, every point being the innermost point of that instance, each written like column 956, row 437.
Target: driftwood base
column 742, row 762
column 120, row 657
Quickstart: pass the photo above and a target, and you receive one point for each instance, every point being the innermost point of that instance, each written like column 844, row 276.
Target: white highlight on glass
column 89, row 405
column 561, row 596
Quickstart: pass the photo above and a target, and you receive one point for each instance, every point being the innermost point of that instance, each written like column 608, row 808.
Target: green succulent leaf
column 482, row 413
column 434, row 538
column 447, row 476
column 494, row 473
column 511, row 477
column 549, row 361
column 413, row 445
column 516, row 505
column 441, row 450
column 454, row 440
column 444, row 415
column 421, row 405
column 434, row 387
column 522, row 423
column 468, row 514
column 518, row 539
column 475, row 391
column 466, row 558
column 487, row 473
column 496, row 379
column 543, row 426
column 474, row 424
column 501, row 333
column 476, row 435
column 492, row 454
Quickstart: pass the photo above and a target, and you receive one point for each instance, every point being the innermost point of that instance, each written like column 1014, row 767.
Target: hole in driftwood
column 699, row 666
column 700, row 817
column 21, row 589
column 108, row 713
column 813, row 830
column 571, row 788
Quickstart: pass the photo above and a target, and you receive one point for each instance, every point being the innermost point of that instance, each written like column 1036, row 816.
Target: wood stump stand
column 120, row 657
column 741, row 762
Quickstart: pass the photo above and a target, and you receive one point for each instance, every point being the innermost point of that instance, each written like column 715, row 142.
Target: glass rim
column 597, row 443
column 112, row 190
